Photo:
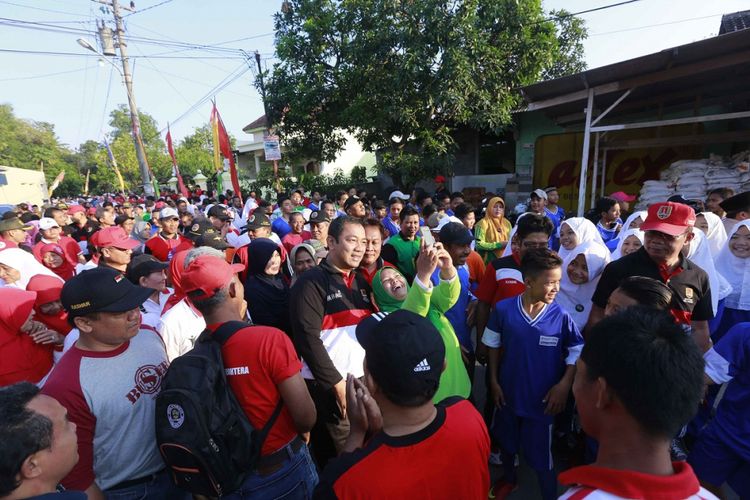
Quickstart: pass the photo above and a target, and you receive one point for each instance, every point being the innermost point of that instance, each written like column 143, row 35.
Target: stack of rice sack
column 693, row 179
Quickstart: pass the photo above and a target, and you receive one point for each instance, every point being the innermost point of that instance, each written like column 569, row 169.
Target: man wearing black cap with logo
column 108, row 382
column 737, row 208
column 668, row 228
column 355, row 207
column 410, row 438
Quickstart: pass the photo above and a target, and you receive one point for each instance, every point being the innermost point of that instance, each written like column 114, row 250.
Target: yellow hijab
column 496, row 228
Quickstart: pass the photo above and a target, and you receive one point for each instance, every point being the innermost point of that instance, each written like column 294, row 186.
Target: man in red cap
column 82, row 227
column 263, row 370
column 115, row 247
column 668, row 228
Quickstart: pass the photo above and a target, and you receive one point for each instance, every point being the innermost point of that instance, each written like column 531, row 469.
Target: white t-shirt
column 179, row 328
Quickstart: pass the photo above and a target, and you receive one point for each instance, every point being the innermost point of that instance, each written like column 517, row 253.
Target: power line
column 34, row 77
column 654, row 25
column 77, row 54
column 147, row 8
column 106, row 100
column 40, row 9
column 595, row 9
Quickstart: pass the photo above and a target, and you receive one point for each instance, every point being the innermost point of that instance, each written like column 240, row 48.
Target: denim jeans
column 160, row 488
column 296, row 479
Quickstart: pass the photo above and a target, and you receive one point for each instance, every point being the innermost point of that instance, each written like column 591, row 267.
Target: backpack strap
column 226, row 330
column 221, row 335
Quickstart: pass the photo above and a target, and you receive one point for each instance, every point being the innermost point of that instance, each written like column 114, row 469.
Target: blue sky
column 76, row 92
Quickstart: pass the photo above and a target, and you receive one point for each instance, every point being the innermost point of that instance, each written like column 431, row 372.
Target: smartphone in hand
column 426, row 234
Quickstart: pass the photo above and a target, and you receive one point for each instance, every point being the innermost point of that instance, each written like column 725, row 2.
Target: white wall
column 23, row 186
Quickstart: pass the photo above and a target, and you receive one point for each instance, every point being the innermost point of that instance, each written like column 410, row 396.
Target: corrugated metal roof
column 674, row 57
column 735, row 22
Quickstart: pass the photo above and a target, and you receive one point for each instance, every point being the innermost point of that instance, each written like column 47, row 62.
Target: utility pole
column 140, row 153
column 265, row 110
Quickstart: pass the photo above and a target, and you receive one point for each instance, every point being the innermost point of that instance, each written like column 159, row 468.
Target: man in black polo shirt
column 668, row 228
column 325, row 305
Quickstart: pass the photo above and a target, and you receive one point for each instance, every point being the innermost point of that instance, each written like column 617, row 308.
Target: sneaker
column 501, row 489
column 495, row 458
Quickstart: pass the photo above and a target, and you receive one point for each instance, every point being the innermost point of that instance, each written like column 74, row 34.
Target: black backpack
column 207, row 443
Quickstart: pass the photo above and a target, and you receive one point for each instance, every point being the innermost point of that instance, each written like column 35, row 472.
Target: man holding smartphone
column 402, row 248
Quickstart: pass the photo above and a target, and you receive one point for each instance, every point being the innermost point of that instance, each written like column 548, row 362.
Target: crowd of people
column 620, row 346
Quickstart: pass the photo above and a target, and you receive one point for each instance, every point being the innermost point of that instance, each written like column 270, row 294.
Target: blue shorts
column 715, row 461
column 531, row 436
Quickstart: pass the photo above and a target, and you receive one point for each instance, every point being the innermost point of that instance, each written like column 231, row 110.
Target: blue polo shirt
column 456, row 315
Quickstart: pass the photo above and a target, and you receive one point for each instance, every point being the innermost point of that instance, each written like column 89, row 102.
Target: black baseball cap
column 455, row 233
column 350, row 202
column 212, row 238
column 319, row 217
column 12, row 223
column 143, row 265
column 258, row 219
column 220, row 213
column 404, row 352
column 198, row 228
column 737, row 203
column 101, row 289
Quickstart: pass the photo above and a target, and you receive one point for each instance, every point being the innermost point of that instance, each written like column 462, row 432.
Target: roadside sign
column 271, row 147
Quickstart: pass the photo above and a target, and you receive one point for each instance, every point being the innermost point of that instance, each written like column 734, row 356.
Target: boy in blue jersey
column 532, row 381
column 722, row 452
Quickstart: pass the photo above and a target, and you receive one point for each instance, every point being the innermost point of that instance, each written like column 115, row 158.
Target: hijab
column 585, row 231
column 66, row 270
column 49, row 289
column 717, row 233
column 23, row 359
column 700, row 254
column 293, row 254
column 576, row 299
column 259, row 252
column 138, row 228
column 624, row 236
column 385, row 301
column 25, row 264
column 735, row 270
column 496, row 229
column 267, row 296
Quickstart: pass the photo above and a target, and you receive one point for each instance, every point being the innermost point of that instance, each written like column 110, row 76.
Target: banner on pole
column 271, row 147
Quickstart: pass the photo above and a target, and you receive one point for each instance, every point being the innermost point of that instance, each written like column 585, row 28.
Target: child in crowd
column 532, row 381
column 581, row 271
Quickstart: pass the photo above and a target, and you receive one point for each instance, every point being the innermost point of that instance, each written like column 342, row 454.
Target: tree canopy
column 34, row 145
column 402, row 75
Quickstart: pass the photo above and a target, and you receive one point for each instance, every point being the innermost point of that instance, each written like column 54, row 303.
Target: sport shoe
column 501, row 489
column 495, row 458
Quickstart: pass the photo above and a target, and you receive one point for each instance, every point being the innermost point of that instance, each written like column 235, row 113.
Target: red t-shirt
column 163, row 248
column 417, row 465
column 502, row 280
column 256, row 360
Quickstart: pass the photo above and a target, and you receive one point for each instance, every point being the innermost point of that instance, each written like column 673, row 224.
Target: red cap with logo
column 208, row 274
column 114, row 236
column 670, row 218
column 76, row 208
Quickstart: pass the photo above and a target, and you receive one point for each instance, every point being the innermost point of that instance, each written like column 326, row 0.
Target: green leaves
column 409, row 69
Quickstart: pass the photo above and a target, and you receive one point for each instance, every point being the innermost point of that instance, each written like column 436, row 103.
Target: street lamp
column 137, row 139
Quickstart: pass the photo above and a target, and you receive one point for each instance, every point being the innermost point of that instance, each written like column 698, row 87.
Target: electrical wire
column 46, row 75
column 106, row 101
column 148, row 8
column 77, row 54
column 635, row 28
column 40, row 8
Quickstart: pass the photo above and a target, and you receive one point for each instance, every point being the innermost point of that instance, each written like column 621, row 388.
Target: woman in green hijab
column 392, row 292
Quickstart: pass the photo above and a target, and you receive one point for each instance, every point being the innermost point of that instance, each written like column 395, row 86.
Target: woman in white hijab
column 17, row 267
column 733, row 263
column 577, row 231
column 633, row 221
column 629, row 241
column 713, row 228
column 700, row 253
column 581, row 271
